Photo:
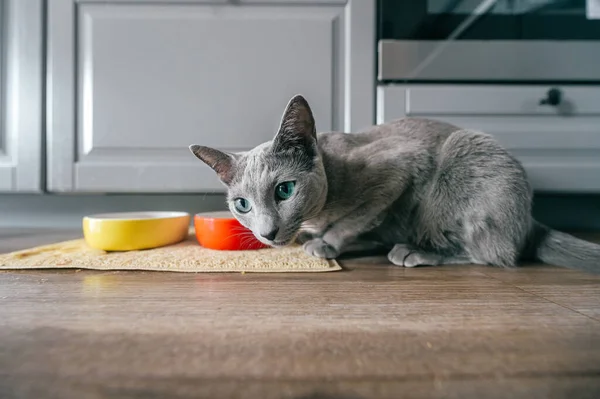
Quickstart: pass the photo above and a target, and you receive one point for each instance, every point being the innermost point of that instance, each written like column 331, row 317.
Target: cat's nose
column 270, row 235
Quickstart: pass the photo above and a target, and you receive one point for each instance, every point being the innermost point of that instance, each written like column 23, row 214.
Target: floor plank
column 554, row 387
column 15, row 239
column 370, row 331
column 577, row 291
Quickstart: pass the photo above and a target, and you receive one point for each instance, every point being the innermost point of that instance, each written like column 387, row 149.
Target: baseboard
column 565, row 212
column 66, row 211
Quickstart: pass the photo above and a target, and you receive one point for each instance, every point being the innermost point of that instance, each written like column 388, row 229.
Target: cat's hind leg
column 492, row 243
column 409, row 256
column 485, row 191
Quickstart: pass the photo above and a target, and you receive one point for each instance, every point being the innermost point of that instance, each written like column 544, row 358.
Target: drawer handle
column 553, row 98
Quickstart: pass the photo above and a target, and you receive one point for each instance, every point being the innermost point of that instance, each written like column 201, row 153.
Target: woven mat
column 186, row 256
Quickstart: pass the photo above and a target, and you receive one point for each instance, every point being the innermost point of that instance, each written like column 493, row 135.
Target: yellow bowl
column 128, row 231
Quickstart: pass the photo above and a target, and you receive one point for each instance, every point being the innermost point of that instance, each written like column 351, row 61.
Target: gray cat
column 428, row 192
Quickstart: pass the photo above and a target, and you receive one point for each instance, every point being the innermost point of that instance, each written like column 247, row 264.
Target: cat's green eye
column 242, row 205
column 285, row 190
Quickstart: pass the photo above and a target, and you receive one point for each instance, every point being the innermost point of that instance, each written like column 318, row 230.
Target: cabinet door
column 558, row 145
column 153, row 77
column 20, row 95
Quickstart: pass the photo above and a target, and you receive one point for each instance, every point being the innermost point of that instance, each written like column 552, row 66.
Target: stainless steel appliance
column 489, row 40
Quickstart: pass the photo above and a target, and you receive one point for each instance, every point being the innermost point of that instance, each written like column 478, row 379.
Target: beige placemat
column 186, row 256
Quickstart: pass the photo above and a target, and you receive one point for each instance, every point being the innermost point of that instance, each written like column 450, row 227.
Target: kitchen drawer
column 497, row 100
column 560, row 151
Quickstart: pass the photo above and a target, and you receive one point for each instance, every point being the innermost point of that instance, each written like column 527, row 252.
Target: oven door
column 489, row 40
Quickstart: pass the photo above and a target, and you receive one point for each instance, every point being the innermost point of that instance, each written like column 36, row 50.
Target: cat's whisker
column 242, row 234
column 244, row 243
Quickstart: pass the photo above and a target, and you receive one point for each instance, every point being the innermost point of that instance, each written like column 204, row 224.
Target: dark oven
column 489, row 40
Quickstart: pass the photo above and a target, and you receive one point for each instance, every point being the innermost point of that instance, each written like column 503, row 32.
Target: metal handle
column 553, row 97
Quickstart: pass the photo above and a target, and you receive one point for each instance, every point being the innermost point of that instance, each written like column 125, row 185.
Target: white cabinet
column 559, row 145
column 20, row 95
column 132, row 84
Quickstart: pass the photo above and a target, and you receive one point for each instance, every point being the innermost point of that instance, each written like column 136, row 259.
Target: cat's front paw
column 320, row 249
column 405, row 255
column 399, row 254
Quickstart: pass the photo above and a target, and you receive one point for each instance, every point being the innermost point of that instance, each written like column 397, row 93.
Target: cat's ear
column 297, row 128
column 221, row 162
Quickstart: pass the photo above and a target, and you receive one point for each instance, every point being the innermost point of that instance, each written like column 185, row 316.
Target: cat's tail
column 560, row 249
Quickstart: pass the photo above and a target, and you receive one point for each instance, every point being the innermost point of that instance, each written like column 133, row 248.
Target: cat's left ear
column 297, row 128
column 221, row 162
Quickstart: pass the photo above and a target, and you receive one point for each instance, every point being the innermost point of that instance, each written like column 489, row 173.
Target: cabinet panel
column 20, row 95
column 153, row 78
column 560, row 152
column 190, row 74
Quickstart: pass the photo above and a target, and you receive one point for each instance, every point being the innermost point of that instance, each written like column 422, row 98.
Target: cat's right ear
column 297, row 128
column 221, row 162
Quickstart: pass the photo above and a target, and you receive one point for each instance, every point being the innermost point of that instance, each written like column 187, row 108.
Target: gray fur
column 430, row 192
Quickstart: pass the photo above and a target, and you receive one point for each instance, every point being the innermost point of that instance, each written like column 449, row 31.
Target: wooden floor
column 370, row 331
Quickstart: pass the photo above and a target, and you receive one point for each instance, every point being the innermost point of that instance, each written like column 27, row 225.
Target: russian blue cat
column 427, row 192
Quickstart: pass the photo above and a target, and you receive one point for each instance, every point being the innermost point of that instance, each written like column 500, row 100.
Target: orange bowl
column 221, row 231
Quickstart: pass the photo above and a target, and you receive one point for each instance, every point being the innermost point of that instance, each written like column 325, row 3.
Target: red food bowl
column 221, row 231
